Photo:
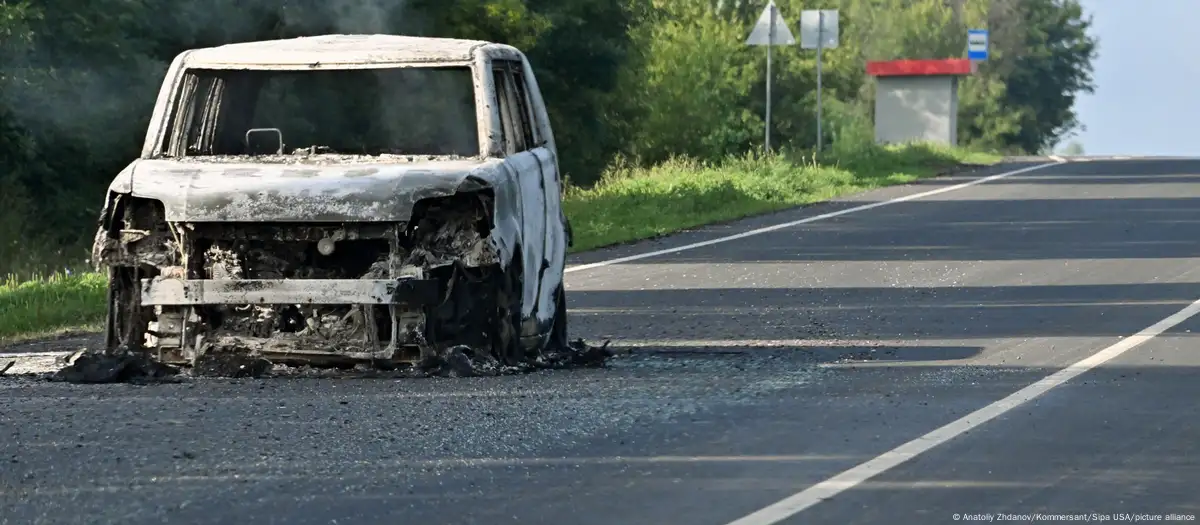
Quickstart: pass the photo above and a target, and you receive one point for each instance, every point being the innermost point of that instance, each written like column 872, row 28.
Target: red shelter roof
column 908, row 68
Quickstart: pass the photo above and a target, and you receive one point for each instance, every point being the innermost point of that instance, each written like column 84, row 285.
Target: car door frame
column 524, row 165
column 557, row 228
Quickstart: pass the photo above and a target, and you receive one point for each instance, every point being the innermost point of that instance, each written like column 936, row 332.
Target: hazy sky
column 1145, row 101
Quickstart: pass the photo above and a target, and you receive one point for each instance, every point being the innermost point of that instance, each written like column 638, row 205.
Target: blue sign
column 977, row 44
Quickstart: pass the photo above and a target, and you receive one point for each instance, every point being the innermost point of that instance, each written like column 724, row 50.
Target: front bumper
column 190, row 292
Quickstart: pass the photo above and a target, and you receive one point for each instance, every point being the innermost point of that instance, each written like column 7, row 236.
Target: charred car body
column 341, row 198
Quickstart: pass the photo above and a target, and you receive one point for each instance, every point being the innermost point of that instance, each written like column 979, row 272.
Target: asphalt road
column 766, row 366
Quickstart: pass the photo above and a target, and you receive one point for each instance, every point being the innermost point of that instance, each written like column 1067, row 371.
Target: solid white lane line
column 802, row 500
column 807, row 220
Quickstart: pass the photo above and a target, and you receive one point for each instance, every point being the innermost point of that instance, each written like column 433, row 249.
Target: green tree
column 695, row 79
column 1052, row 65
column 579, row 57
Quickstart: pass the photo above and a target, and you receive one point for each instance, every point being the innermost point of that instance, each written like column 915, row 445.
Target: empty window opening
column 401, row 111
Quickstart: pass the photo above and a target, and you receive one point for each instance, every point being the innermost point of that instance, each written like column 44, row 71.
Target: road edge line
column 806, row 220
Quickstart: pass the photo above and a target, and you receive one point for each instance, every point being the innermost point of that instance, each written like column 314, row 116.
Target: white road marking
column 1056, row 158
column 750, row 343
column 18, row 355
column 831, row 487
column 30, row 363
column 759, row 231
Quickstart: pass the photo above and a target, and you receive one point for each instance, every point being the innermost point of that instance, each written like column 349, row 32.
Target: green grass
column 628, row 204
column 43, row 306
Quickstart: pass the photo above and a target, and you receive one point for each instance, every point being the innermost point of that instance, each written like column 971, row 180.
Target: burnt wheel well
column 134, row 233
column 126, row 211
column 480, row 201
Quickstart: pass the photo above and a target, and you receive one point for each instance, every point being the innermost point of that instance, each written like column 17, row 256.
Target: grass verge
column 45, row 306
column 627, row 205
column 632, row 204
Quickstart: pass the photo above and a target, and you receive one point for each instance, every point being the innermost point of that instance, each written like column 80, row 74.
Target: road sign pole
column 765, row 34
column 770, row 44
column 820, row 37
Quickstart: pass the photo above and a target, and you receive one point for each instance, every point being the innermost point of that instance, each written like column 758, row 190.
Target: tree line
column 630, row 81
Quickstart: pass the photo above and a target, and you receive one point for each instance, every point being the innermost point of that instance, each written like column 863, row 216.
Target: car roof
column 342, row 49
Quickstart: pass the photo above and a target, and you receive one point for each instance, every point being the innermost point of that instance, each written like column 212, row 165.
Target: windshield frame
column 160, row 136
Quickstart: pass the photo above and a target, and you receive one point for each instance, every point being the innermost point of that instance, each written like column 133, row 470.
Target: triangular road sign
column 761, row 35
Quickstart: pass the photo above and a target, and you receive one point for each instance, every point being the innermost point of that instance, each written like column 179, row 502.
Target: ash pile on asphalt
column 124, row 366
column 231, row 362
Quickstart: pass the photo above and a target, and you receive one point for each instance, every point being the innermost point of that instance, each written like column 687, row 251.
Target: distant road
column 1026, row 344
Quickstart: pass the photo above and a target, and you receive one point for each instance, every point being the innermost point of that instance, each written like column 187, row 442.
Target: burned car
column 340, row 198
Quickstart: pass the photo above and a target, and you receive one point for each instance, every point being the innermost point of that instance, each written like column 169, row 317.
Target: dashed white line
column 831, row 487
column 815, row 218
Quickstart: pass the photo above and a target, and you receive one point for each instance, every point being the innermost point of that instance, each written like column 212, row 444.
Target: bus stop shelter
column 917, row 100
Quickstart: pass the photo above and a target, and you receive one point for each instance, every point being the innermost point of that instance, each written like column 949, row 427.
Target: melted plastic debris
column 579, row 354
column 122, row 366
column 462, row 361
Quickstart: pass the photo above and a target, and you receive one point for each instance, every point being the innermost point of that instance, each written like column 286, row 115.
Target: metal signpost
column 977, row 45
column 819, row 30
column 770, row 31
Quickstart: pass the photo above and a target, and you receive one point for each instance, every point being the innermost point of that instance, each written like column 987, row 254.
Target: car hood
column 194, row 191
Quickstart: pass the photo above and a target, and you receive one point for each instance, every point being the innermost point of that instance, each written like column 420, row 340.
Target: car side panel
column 554, row 235
column 527, row 170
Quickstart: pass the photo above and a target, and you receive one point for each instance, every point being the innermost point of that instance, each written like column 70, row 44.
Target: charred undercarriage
column 431, row 292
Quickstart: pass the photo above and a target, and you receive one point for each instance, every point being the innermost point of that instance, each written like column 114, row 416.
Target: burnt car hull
column 331, row 254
